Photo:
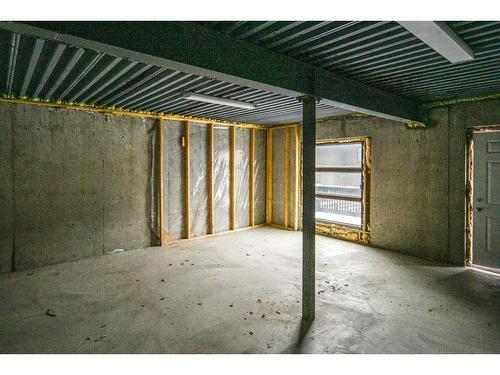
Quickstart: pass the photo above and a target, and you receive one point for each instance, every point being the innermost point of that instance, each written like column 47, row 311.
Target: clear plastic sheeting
column 174, row 181
column 198, row 145
column 242, row 178
column 278, row 209
column 260, row 176
column 222, row 178
column 293, row 178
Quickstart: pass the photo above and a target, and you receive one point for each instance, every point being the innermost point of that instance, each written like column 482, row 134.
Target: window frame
column 342, row 230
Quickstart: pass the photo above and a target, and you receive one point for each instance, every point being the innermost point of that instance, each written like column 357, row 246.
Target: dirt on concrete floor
column 240, row 293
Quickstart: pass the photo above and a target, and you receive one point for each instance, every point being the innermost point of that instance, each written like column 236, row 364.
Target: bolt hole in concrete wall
column 77, row 184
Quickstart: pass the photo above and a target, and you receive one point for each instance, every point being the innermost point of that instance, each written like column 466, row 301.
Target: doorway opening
column 483, row 198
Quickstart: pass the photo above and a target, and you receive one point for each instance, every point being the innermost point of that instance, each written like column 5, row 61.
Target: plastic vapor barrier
column 174, row 182
column 242, row 178
column 222, row 178
column 260, row 177
column 198, row 141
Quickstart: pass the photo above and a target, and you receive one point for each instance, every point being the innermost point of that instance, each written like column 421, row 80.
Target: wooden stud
column 187, row 180
column 233, row 172
column 251, row 165
column 269, row 176
column 297, row 178
column 211, row 229
column 287, row 174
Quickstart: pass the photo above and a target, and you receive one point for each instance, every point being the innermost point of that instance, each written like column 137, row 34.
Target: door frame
column 470, row 187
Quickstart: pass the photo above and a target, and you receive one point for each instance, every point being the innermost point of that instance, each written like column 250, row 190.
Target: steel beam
column 192, row 48
column 308, row 204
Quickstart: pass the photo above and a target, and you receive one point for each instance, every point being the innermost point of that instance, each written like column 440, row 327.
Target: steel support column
column 308, row 204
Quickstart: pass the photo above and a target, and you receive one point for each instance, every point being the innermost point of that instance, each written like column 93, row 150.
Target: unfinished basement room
column 261, row 187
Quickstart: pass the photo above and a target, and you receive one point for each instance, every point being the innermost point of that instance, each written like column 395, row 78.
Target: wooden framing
column 269, row 176
column 469, row 256
column 232, row 151
column 187, row 184
column 287, row 175
column 251, row 177
column 210, row 167
column 297, row 178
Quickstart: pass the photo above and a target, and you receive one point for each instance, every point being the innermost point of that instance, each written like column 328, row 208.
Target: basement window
column 340, row 182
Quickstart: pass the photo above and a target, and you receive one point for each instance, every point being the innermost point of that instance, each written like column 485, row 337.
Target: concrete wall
column 76, row 184
column 418, row 178
column 73, row 184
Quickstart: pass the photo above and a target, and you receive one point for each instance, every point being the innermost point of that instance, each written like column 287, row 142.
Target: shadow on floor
column 296, row 346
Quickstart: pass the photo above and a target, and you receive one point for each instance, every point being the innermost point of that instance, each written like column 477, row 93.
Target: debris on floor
column 163, row 280
column 263, row 316
column 49, row 312
column 104, row 325
column 231, row 305
column 251, row 333
column 199, row 303
column 277, row 312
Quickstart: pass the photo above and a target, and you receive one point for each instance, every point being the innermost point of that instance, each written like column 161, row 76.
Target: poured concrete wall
column 73, row 184
column 418, row 178
column 76, row 184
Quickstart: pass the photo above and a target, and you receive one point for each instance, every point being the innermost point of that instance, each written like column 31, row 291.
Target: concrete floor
column 239, row 293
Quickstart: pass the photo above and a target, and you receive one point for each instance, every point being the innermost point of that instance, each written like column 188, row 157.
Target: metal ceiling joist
column 191, row 48
column 441, row 38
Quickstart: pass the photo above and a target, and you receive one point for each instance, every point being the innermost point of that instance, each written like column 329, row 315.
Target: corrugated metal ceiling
column 381, row 54
column 384, row 54
column 45, row 70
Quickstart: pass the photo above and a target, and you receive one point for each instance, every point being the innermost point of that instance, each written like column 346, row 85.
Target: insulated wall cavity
column 278, row 177
column 260, row 177
column 285, row 176
column 198, row 175
column 222, row 179
column 242, row 178
column 174, row 179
